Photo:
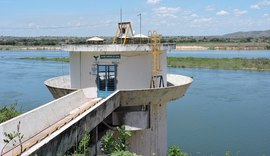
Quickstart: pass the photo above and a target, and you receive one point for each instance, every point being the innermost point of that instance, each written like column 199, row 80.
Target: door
column 106, row 80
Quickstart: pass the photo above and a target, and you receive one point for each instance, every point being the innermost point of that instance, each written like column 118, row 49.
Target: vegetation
column 123, row 153
column 220, row 42
column 212, row 42
column 11, row 138
column 80, row 149
column 41, row 41
column 220, row 63
column 176, row 151
column 84, row 144
column 191, row 62
column 8, row 112
column 62, row 59
column 111, row 144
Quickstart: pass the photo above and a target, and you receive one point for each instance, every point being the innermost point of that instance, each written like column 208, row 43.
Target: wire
column 53, row 27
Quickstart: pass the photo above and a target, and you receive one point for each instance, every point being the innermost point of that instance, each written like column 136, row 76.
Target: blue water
column 32, row 53
column 221, row 53
column 222, row 110
column 22, row 81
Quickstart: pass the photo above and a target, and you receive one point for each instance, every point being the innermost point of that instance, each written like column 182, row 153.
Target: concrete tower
column 122, row 84
column 139, row 70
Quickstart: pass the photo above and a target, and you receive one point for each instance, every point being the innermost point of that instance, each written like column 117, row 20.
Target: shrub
column 176, row 151
column 8, row 112
column 111, row 144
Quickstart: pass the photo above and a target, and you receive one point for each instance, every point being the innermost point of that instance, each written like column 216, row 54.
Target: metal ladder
column 157, row 80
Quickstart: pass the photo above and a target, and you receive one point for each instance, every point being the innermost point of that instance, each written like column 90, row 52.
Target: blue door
column 106, row 80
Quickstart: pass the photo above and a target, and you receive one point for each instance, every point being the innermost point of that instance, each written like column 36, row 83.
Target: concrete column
column 152, row 141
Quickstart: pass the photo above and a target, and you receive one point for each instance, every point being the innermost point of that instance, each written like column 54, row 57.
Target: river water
column 221, row 53
column 222, row 110
column 23, row 80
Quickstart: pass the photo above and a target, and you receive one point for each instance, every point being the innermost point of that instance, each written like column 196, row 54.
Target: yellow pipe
column 126, row 35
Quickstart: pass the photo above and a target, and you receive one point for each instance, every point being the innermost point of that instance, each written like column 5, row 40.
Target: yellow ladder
column 156, row 76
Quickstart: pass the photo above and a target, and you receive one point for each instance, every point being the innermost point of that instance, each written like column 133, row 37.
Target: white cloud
column 222, row 13
column 194, row 15
column 265, row 15
column 210, row 8
column 238, row 12
column 202, row 20
column 31, row 24
column 255, row 6
column 166, row 11
column 260, row 4
column 152, row 1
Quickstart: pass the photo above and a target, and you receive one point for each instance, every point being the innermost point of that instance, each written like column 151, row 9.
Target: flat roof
column 116, row 47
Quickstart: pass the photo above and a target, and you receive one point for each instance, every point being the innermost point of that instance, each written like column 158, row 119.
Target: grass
column 220, row 63
column 223, row 45
column 191, row 62
column 46, row 59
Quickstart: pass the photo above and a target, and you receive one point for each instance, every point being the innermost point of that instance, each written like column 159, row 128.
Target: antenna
column 140, row 28
column 121, row 25
column 121, row 15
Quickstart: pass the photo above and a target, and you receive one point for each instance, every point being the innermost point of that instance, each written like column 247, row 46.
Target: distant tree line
column 214, row 39
column 39, row 41
column 57, row 41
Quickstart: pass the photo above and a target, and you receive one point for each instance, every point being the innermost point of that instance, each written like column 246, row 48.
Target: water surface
column 222, row 110
column 22, row 81
column 221, row 53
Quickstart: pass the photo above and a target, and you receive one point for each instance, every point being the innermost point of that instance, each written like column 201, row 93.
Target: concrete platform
column 113, row 48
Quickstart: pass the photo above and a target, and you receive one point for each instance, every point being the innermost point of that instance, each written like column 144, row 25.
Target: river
column 221, row 53
column 222, row 110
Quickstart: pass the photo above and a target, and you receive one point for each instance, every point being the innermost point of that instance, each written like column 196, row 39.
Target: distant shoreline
column 260, row 64
column 8, row 47
column 197, row 47
column 178, row 47
column 183, row 47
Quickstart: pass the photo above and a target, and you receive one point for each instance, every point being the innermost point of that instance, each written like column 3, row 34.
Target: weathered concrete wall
column 153, row 141
column 59, row 86
column 42, row 117
column 115, row 47
column 132, row 120
column 157, row 95
column 67, row 136
column 146, row 142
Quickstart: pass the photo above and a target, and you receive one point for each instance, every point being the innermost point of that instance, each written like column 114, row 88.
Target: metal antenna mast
column 121, row 25
column 140, row 28
column 121, row 15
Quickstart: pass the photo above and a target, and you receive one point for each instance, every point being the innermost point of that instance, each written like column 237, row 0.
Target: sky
column 99, row 17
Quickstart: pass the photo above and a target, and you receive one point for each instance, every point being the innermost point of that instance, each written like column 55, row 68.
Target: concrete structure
column 120, row 84
column 133, row 64
column 53, row 130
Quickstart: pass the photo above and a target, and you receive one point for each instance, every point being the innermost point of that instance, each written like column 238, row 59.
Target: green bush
column 111, row 144
column 8, row 112
column 176, row 151
column 84, row 144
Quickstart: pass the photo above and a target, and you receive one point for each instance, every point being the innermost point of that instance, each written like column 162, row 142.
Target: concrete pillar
column 152, row 141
